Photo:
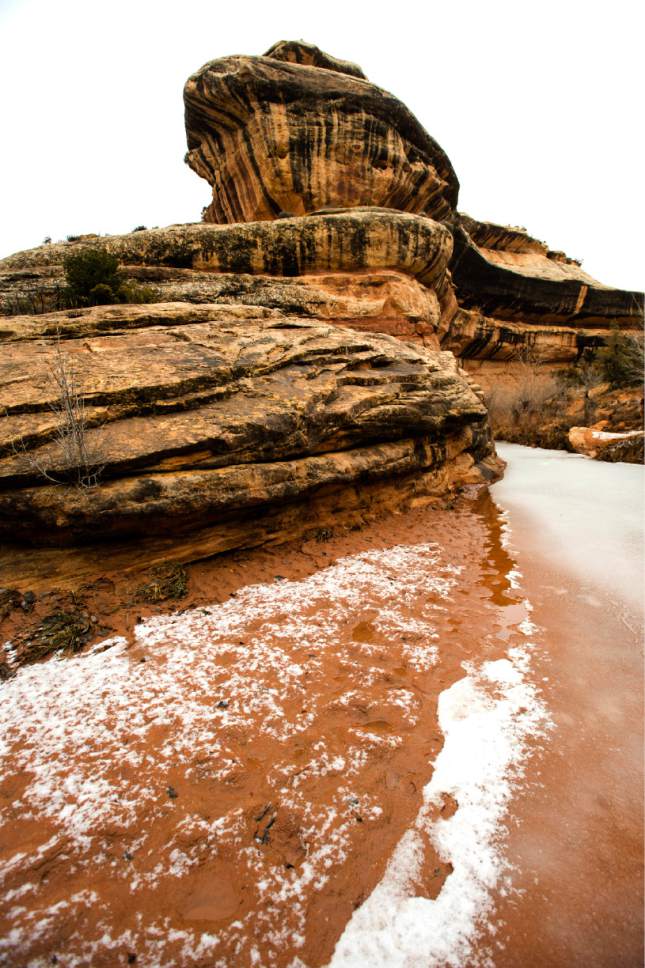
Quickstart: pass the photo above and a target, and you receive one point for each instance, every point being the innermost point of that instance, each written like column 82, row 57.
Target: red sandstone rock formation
column 294, row 132
column 224, row 418
column 520, row 300
column 345, row 222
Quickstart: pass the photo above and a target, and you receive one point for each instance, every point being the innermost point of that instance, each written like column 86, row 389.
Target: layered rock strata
column 383, row 301
column 346, row 265
column 287, row 369
column 522, row 302
column 300, row 52
column 295, row 131
column 505, row 273
column 212, row 416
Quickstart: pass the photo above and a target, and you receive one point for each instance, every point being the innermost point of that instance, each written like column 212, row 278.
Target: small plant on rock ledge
column 93, row 279
column 76, row 459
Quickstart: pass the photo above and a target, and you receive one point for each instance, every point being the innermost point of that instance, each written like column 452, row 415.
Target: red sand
column 337, row 773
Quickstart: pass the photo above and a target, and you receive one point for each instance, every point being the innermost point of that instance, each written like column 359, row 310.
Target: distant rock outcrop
column 519, row 300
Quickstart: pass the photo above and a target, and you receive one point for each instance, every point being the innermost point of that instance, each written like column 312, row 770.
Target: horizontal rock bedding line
column 385, row 301
column 197, row 348
column 231, row 498
column 192, row 420
column 362, row 238
column 474, row 336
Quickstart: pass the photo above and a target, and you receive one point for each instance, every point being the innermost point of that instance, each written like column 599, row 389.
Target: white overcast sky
column 538, row 104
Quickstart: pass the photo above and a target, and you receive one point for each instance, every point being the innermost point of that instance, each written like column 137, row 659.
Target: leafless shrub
column 35, row 302
column 519, row 411
column 79, row 460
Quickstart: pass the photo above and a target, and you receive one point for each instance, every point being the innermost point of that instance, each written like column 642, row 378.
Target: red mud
column 227, row 843
column 577, row 835
column 307, row 807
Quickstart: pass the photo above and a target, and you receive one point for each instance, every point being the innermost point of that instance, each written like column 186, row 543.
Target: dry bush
column 46, row 299
column 79, row 460
column 522, row 412
column 169, row 581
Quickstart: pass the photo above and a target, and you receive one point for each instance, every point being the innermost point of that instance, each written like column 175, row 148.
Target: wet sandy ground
column 577, row 833
column 226, row 785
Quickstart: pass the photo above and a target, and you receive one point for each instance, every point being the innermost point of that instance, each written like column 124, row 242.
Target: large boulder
column 297, row 131
column 223, row 417
column 599, row 444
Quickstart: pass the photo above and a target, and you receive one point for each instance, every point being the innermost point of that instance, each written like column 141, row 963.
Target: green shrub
column 620, row 360
column 102, row 295
column 93, row 279
column 130, row 293
column 91, row 270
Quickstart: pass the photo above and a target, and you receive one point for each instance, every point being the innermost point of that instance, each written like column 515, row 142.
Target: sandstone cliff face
column 521, row 301
column 295, row 131
column 215, row 416
column 505, row 273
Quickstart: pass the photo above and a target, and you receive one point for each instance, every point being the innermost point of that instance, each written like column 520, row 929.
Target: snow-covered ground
column 486, row 719
column 121, row 751
column 588, row 515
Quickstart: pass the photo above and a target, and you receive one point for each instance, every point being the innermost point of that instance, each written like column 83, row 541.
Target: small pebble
column 28, row 600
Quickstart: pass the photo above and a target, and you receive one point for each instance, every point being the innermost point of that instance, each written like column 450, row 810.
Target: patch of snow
column 488, row 719
column 605, row 435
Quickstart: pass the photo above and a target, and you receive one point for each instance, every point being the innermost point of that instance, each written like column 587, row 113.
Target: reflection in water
column 497, row 563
